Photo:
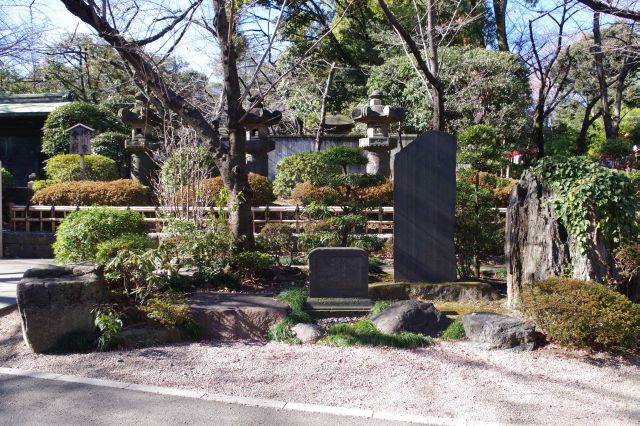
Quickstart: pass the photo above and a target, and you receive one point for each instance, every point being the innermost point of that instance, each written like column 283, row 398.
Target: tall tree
column 551, row 75
column 624, row 45
column 116, row 24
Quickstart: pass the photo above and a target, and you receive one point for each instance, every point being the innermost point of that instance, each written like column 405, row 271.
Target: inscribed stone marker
column 338, row 272
column 424, row 209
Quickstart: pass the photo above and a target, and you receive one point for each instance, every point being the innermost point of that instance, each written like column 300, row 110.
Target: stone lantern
column 140, row 145
column 378, row 144
column 258, row 145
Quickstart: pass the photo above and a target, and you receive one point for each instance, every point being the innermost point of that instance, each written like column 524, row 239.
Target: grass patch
column 365, row 333
column 281, row 331
column 294, row 297
column 455, row 331
column 379, row 306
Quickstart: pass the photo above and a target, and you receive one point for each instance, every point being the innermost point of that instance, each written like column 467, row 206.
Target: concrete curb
column 253, row 402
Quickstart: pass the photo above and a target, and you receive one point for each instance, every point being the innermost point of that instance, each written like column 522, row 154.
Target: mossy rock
column 454, row 292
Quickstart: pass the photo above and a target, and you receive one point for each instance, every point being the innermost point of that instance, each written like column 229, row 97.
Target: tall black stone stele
column 424, row 209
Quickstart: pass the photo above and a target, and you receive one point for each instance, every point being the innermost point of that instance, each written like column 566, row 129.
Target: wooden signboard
column 79, row 139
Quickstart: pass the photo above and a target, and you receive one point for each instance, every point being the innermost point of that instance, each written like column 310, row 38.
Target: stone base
column 337, row 307
column 449, row 292
column 235, row 316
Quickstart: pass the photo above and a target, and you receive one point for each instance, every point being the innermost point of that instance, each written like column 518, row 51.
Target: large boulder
column 537, row 245
column 497, row 331
column 227, row 316
column 410, row 315
column 55, row 304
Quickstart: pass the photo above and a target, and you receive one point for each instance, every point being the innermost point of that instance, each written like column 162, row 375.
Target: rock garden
column 486, row 269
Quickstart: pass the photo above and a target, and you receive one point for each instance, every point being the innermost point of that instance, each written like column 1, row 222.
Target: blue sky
column 199, row 53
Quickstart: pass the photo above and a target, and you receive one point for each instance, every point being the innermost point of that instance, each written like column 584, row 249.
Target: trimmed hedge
column 298, row 168
column 260, row 185
column 110, row 145
column 55, row 140
column 79, row 234
column 583, row 313
column 66, row 167
column 380, row 195
column 122, row 192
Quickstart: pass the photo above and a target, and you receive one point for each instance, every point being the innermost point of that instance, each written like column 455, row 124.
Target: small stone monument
column 378, row 144
column 338, row 281
column 139, row 118
column 80, row 142
column 424, row 194
column 258, row 143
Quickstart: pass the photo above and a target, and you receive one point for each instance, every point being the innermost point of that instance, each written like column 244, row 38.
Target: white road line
column 254, row 402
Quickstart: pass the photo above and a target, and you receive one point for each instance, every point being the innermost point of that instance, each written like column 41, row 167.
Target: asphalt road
column 31, row 401
column 11, row 271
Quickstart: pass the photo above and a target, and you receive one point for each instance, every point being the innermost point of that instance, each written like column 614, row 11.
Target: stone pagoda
column 141, row 143
column 258, row 144
column 378, row 144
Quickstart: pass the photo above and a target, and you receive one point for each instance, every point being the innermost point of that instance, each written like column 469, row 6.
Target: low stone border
column 253, row 402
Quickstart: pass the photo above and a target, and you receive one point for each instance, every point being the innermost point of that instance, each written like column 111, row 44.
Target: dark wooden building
column 21, row 120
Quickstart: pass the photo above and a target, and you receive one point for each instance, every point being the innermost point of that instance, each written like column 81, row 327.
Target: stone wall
column 28, row 245
column 289, row 145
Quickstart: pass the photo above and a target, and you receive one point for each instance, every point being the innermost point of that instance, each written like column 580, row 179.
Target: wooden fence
column 47, row 218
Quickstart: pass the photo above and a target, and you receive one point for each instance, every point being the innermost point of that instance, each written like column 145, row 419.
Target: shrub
column 583, row 314
column 66, row 167
column 123, row 192
column 250, row 264
column 169, row 308
column 610, row 148
column 41, row 184
column 368, row 242
column 79, row 234
column 110, row 145
column 628, row 260
column 207, row 249
column 297, row 168
column 107, row 250
column 109, row 325
column 55, row 140
column 178, row 169
column 262, row 190
column 480, row 146
column 306, row 193
column 7, row 178
column 344, row 156
column 276, row 239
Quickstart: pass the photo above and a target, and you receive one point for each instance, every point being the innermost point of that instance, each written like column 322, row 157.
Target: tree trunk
column 323, row 107
column 537, row 133
column 434, row 65
column 234, row 173
column 500, row 13
column 602, row 78
column 587, row 121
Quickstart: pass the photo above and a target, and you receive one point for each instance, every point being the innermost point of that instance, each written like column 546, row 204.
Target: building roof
column 40, row 104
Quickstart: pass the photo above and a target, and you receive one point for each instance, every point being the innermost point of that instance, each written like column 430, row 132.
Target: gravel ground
column 548, row 386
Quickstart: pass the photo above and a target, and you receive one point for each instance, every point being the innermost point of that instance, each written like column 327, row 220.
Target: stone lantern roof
column 259, row 116
column 338, row 124
column 376, row 112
